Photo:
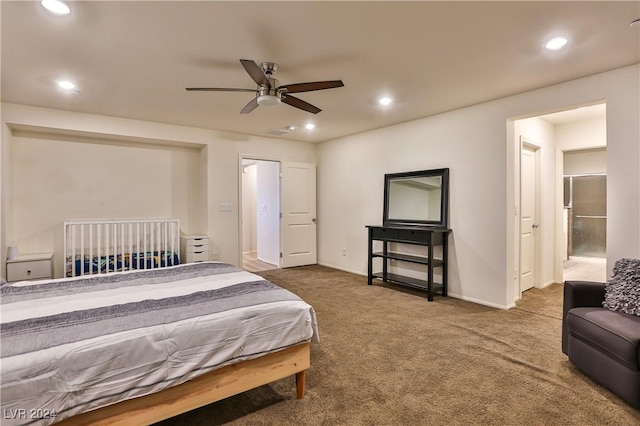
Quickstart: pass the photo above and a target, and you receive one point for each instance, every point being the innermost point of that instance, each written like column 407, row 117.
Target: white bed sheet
column 47, row 385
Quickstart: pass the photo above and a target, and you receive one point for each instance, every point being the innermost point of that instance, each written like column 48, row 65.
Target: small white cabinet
column 194, row 248
column 30, row 267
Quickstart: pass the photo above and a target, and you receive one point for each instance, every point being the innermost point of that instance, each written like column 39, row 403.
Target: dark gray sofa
column 603, row 344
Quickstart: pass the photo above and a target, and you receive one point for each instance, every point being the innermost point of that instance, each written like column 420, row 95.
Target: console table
column 417, row 235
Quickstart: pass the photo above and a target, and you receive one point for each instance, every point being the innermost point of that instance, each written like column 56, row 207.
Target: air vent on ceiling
column 280, row 132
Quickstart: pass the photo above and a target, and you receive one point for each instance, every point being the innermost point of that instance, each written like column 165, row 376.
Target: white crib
column 102, row 246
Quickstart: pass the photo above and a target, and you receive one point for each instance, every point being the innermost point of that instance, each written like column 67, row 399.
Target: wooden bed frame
column 211, row 387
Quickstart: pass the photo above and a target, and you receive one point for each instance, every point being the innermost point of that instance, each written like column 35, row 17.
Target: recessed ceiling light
column 556, row 43
column 309, row 126
column 66, row 85
column 384, row 101
column 55, row 6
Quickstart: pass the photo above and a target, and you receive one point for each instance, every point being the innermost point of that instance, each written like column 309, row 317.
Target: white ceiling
column 134, row 59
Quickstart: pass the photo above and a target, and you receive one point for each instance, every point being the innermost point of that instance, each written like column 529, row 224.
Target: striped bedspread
column 75, row 344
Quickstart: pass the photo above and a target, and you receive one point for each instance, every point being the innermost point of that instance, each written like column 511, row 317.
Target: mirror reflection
column 415, row 199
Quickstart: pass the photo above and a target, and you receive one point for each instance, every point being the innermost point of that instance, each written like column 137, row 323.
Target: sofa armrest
column 583, row 294
column 578, row 294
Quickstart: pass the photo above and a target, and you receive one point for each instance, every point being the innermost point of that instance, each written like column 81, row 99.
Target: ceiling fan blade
column 311, row 86
column 218, row 89
column 299, row 103
column 255, row 72
column 253, row 104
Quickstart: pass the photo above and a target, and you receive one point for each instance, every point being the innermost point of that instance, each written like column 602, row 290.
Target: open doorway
column 585, row 214
column 581, row 140
column 555, row 136
column 260, row 215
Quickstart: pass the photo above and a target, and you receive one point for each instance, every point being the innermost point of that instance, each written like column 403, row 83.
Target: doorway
column 260, row 215
column 277, row 214
column 585, row 214
column 556, row 134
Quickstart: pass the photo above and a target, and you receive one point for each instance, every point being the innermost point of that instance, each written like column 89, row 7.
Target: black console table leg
column 370, row 263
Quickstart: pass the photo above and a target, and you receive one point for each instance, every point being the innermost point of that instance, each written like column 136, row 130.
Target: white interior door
column 528, row 220
column 298, row 195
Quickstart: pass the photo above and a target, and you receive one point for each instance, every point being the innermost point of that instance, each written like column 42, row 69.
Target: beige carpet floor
column 389, row 357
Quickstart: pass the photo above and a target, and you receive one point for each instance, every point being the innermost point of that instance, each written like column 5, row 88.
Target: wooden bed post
column 300, row 385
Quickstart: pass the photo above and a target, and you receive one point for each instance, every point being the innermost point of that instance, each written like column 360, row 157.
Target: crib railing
column 102, row 246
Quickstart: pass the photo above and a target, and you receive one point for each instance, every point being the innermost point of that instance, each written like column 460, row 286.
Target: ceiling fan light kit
column 268, row 100
column 269, row 92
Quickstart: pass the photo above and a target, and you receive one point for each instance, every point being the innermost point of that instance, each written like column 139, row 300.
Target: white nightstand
column 194, row 248
column 30, row 267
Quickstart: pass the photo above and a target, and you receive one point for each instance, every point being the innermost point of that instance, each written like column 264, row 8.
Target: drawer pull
column 28, row 271
column 198, row 245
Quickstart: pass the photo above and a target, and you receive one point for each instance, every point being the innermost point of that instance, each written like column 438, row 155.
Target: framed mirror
column 417, row 198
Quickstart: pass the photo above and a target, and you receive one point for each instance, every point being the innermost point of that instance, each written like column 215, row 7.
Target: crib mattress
column 75, row 344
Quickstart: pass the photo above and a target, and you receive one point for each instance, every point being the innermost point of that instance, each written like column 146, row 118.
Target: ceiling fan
column 269, row 92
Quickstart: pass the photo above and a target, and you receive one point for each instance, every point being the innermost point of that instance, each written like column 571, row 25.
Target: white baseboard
column 481, row 302
column 454, row 295
column 548, row 283
column 340, row 268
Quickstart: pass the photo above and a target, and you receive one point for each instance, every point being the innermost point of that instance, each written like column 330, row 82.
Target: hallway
column 585, row 269
column 251, row 263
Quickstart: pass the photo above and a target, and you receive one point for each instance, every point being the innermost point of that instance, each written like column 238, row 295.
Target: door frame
column 553, row 220
column 242, row 157
column 527, row 143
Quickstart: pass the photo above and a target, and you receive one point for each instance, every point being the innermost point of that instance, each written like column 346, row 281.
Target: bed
column 140, row 346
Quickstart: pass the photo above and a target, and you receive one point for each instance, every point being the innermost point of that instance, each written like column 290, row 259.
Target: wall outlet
column 225, row 207
column 344, row 251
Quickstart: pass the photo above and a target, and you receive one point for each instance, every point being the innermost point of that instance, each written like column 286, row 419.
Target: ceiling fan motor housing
column 269, row 68
column 269, row 96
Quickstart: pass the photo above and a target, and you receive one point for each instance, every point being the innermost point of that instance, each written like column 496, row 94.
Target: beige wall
column 584, row 145
column 583, row 134
column 249, row 177
column 188, row 173
column 478, row 144
column 539, row 133
column 590, row 161
column 471, row 143
column 55, row 180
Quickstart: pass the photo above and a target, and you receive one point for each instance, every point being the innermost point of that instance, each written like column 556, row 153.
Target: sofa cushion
column 622, row 291
column 615, row 334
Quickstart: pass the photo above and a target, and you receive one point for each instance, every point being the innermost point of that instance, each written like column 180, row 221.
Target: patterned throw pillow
column 622, row 291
